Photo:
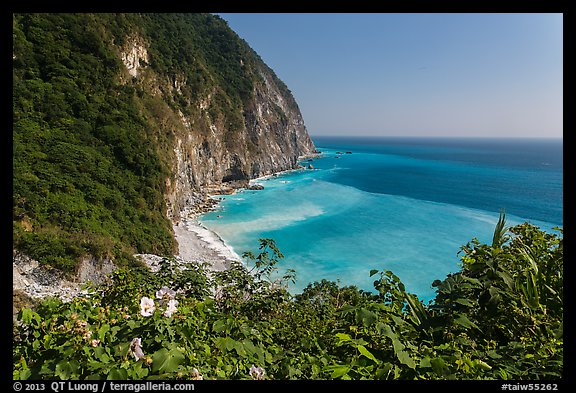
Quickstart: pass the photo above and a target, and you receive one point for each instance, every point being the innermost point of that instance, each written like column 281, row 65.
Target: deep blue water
column 400, row 204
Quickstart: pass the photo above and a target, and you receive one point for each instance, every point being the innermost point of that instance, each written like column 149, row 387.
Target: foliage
column 92, row 152
column 499, row 317
column 84, row 170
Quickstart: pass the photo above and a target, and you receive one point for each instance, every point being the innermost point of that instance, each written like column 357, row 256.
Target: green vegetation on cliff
column 86, row 180
column 92, row 153
column 499, row 317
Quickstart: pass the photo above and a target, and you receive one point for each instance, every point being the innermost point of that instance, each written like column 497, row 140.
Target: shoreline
column 196, row 243
column 278, row 174
column 200, row 244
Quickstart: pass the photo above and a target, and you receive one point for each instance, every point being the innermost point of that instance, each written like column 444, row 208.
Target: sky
column 416, row 74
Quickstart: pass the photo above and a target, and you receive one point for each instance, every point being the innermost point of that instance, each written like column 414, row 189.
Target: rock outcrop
column 211, row 153
column 272, row 139
column 32, row 281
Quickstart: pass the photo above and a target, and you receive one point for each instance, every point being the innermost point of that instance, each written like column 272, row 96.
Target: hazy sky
column 413, row 74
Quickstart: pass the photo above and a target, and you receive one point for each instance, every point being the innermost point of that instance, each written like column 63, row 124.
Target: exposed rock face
column 273, row 138
column 133, row 54
column 94, row 270
column 209, row 157
column 32, row 282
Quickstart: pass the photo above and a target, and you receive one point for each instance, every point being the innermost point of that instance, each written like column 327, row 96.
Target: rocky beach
column 33, row 281
column 197, row 243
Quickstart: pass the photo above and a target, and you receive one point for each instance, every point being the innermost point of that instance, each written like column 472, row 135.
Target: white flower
column 136, row 349
column 147, row 306
column 257, row 372
column 165, row 294
column 195, row 375
column 171, row 308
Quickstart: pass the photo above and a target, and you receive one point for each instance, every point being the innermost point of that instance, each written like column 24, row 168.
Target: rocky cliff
column 212, row 149
column 121, row 121
column 271, row 139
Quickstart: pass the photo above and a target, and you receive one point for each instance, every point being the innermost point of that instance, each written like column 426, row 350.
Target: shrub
column 488, row 321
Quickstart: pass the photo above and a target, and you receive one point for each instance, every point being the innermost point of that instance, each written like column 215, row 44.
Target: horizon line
column 439, row 136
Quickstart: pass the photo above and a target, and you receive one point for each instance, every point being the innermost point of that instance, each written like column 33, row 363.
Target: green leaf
column 405, row 358
column 338, row 371
column 100, row 354
column 113, row 331
column 386, row 330
column 398, row 321
column 464, row 302
column 397, row 344
column 384, row 371
column 25, row 374
column 167, row 361
column 66, row 369
column 139, row 371
column 373, row 272
column 239, row 348
column 102, row 331
column 220, row 343
column 28, row 315
column 346, row 308
column 47, row 368
column 133, row 324
column 463, row 320
column 499, row 238
column 249, row 347
column 219, row 326
column 416, row 308
column 293, row 372
column 438, row 365
column 532, row 294
column 117, row 374
column 366, row 317
column 206, row 349
column 367, row 353
column 425, row 362
column 95, row 365
column 121, row 350
column 508, row 280
column 471, row 280
column 342, row 337
column 482, row 365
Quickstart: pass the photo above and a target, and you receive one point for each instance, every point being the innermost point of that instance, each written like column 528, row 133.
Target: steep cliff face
column 272, row 139
column 211, row 151
column 121, row 121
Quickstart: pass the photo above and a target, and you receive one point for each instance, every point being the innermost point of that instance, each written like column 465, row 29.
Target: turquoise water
column 400, row 204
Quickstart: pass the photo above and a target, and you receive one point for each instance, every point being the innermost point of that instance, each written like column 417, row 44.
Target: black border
column 259, row 6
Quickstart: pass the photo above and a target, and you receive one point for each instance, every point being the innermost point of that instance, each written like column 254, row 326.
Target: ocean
column 391, row 203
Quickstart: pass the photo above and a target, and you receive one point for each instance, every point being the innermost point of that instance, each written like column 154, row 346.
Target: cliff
column 219, row 140
column 123, row 120
column 271, row 139
column 218, row 144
